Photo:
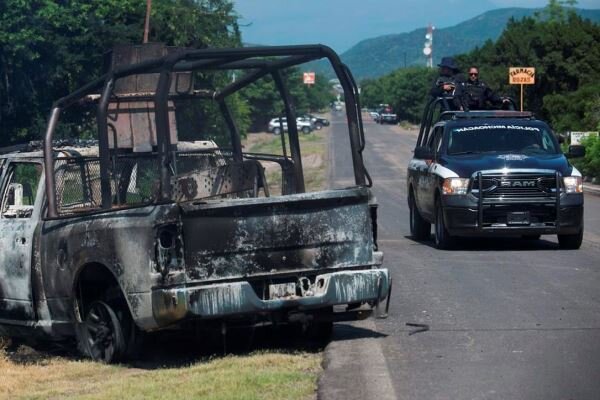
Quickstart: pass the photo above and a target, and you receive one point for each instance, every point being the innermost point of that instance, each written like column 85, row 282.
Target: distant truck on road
column 386, row 115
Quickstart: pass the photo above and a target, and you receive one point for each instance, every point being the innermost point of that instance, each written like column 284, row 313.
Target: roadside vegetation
column 259, row 375
column 562, row 46
column 51, row 48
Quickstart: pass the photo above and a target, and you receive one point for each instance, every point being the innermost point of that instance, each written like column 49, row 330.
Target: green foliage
column 49, row 48
column 407, row 90
column 590, row 164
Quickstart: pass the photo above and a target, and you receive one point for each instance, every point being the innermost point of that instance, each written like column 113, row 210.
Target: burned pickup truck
column 153, row 226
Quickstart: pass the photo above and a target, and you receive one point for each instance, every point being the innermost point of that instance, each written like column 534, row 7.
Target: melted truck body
column 143, row 230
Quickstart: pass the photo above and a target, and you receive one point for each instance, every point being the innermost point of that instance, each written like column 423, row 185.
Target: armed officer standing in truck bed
column 449, row 79
column 475, row 94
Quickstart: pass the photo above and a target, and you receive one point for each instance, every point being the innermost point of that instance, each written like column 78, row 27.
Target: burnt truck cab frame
column 492, row 173
column 143, row 231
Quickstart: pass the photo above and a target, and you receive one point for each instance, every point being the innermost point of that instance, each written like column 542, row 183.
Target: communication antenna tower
column 428, row 49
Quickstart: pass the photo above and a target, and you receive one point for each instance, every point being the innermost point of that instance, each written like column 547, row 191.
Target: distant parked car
column 304, row 125
column 386, row 115
column 374, row 114
column 318, row 122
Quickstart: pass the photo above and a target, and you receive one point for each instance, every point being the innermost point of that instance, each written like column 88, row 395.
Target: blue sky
column 343, row 23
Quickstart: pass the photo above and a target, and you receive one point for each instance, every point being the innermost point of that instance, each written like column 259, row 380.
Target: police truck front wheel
column 570, row 242
column 443, row 240
column 419, row 228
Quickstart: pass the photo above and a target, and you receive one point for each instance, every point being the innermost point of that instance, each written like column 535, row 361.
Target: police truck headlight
column 573, row 184
column 454, row 186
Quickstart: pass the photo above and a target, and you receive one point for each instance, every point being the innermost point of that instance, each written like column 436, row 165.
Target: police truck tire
column 277, row 131
column 420, row 229
column 443, row 240
column 306, row 130
column 570, row 242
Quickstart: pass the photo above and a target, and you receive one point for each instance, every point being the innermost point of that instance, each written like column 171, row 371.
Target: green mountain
column 377, row 56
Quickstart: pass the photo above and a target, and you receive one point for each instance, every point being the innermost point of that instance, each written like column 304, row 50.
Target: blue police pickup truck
column 493, row 173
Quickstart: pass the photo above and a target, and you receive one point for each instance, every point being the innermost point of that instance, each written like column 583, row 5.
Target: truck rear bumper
column 221, row 300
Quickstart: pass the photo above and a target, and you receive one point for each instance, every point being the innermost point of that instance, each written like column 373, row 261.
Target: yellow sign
column 521, row 75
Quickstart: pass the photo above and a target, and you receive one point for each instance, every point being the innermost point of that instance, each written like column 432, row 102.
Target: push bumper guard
column 465, row 217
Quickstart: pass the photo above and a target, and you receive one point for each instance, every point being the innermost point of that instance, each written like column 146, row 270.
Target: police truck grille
column 515, row 185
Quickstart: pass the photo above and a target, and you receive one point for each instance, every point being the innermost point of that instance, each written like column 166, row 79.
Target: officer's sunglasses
column 473, row 73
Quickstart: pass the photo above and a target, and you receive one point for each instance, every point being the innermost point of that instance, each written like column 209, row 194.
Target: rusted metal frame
column 220, row 63
column 236, row 142
column 103, row 148
column 163, row 136
column 290, row 114
column 361, row 130
column 315, row 51
column 49, row 164
column 254, row 76
column 80, row 93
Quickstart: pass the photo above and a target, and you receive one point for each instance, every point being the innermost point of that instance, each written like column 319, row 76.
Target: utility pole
column 147, row 22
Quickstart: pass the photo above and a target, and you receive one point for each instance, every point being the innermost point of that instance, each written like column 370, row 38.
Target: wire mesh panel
column 77, row 184
column 134, row 180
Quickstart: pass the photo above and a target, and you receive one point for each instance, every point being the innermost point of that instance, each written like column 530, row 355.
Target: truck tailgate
column 228, row 239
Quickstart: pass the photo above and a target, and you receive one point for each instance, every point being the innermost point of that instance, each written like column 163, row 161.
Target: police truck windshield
column 520, row 139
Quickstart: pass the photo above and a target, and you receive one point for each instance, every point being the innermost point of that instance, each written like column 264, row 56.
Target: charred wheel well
column 96, row 282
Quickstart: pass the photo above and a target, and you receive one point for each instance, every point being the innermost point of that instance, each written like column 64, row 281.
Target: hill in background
column 378, row 56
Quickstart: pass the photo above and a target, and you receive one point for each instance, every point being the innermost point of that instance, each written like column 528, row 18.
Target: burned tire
column 443, row 240
column 420, row 229
column 100, row 336
column 570, row 242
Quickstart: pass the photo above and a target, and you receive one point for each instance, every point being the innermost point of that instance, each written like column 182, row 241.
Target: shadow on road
column 496, row 244
column 342, row 332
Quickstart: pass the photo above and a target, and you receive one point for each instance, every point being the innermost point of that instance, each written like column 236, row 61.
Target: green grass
column 262, row 375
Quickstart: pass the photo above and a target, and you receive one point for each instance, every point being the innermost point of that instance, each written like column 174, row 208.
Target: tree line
column 562, row 46
column 49, row 48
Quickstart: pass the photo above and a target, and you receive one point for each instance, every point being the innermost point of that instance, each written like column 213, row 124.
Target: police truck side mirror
column 424, row 153
column 575, row 151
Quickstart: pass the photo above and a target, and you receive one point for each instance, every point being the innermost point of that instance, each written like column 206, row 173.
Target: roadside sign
column 577, row 137
column 308, row 78
column 521, row 75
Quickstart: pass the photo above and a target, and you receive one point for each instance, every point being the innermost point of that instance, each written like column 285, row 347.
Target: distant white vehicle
column 304, row 125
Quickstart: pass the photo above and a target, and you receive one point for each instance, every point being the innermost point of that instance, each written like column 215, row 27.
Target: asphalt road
column 509, row 319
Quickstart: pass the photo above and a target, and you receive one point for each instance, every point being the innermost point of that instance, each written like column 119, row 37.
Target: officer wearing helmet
column 449, row 79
